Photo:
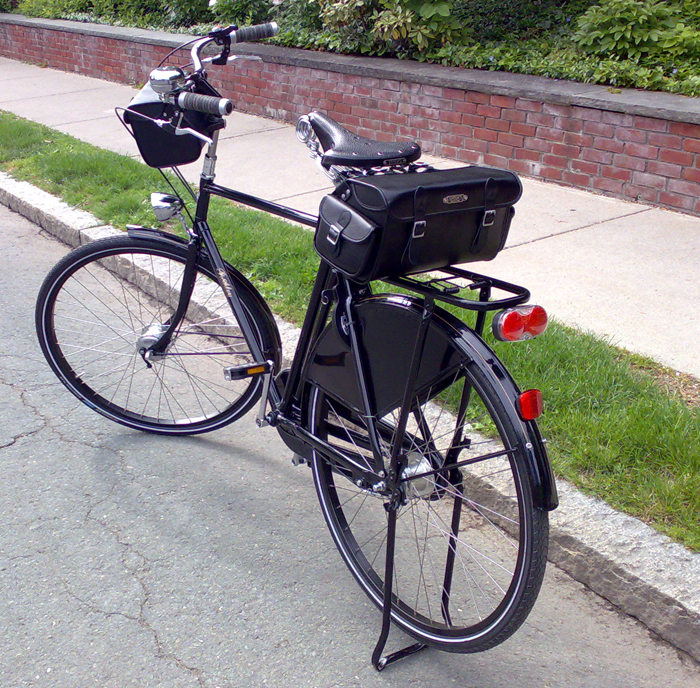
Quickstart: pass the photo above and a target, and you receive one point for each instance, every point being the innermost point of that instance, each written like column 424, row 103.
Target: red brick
column 684, row 187
column 580, row 140
column 488, row 111
column 551, row 173
column 677, row 200
column 569, row 124
column 639, row 150
column 587, row 114
column 502, row 101
column 610, row 185
column 550, row 134
column 436, row 91
column 501, row 150
column 497, row 124
column 495, row 160
column 691, row 145
column 555, row 160
column 454, row 94
column 476, row 97
column 692, row 175
column 677, row 157
column 469, row 156
column 630, row 163
column 650, row 123
column 599, row 129
column 576, row 179
column 513, row 115
column 538, row 145
column 452, row 117
column 651, row 180
column 608, row 145
column 485, row 135
column 524, row 154
column 539, row 119
column 446, row 151
column 476, row 144
column 618, row 119
column 473, row 120
column 522, row 167
column 523, row 129
column 568, row 151
column 641, row 193
column 554, row 109
column 684, row 129
column 589, row 168
column 665, row 141
column 592, row 155
column 529, row 105
column 664, row 168
column 616, row 173
column 511, row 140
column 452, row 140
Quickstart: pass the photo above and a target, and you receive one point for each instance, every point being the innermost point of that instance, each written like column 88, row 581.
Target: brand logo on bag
column 456, row 198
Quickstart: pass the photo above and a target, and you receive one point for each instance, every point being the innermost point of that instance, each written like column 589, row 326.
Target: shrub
column 635, row 29
column 242, row 12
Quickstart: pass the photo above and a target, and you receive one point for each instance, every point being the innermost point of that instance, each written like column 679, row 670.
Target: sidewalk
column 625, row 271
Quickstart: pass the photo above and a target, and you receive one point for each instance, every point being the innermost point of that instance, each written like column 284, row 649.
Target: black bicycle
column 428, row 463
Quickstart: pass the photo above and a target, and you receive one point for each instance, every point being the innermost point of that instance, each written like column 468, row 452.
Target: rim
column 98, row 322
column 492, row 542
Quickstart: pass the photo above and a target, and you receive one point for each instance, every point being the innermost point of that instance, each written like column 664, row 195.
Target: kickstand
column 378, row 660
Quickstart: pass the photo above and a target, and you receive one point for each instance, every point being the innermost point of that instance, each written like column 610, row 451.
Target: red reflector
column 518, row 324
column 531, row 404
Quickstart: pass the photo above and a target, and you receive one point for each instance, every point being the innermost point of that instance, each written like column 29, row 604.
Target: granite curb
column 637, row 569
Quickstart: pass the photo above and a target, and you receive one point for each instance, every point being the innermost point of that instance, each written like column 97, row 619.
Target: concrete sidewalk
column 622, row 270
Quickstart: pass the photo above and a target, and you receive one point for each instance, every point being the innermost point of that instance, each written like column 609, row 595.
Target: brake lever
column 181, row 131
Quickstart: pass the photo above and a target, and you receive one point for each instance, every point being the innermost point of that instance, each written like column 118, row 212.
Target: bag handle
column 420, row 206
column 489, row 216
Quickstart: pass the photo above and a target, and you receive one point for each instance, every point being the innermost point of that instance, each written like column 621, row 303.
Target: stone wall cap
column 655, row 104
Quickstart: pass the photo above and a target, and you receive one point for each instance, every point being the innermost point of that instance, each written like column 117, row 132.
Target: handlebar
column 209, row 105
column 258, row 32
column 231, row 34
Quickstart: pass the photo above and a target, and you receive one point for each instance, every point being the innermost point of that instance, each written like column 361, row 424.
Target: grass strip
column 612, row 430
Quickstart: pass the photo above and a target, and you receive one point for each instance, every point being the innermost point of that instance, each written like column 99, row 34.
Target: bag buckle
column 489, row 218
column 333, row 235
column 418, row 229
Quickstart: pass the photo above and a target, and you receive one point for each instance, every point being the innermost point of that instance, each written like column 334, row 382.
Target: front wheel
column 106, row 302
column 471, row 545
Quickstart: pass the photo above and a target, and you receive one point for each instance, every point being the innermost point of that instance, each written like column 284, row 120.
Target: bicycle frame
column 287, row 399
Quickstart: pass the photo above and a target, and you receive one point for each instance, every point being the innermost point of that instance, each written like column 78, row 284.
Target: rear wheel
column 105, row 302
column 470, row 545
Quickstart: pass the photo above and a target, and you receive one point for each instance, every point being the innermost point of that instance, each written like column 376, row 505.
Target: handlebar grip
column 255, row 33
column 210, row 105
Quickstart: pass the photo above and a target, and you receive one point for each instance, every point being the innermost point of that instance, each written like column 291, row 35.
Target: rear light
column 530, row 404
column 520, row 323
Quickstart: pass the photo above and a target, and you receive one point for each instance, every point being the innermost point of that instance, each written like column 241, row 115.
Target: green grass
column 611, row 429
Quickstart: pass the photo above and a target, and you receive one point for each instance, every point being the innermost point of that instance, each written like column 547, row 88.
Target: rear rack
column 453, row 285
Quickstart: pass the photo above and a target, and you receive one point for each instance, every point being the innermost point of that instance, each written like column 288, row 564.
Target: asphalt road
column 131, row 560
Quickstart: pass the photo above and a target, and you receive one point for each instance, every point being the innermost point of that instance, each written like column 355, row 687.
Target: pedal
column 247, row 370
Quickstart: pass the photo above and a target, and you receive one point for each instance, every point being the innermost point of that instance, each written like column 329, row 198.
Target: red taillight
column 520, row 323
column 530, row 404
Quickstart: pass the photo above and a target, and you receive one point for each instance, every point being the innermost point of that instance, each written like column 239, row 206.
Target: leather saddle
column 341, row 147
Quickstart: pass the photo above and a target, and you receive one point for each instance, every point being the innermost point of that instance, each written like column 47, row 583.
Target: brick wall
column 651, row 159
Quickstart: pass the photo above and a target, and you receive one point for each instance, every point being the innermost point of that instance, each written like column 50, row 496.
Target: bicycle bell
column 167, row 80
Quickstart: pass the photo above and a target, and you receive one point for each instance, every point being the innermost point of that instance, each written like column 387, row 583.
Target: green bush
column 505, row 20
column 636, row 29
column 242, row 12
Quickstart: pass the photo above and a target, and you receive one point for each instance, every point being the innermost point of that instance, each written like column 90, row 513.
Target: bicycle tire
column 101, row 303
column 502, row 540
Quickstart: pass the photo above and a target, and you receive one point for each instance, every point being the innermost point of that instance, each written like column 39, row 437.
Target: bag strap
column 420, row 206
column 489, row 216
